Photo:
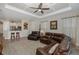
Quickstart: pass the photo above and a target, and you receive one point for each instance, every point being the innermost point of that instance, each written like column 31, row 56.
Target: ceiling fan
column 39, row 8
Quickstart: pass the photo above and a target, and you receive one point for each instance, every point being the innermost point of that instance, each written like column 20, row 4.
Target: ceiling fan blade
column 42, row 12
column 35, row 11
column 45, row 8
column 40, row 5
column 33, row 7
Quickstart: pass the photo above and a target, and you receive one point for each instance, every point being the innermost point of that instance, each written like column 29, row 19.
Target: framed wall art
column 25, row 25
column 53, row 25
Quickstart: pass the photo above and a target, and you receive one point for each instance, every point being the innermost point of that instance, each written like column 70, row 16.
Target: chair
column 13, row 36
column 35, row 35
column 17, row 35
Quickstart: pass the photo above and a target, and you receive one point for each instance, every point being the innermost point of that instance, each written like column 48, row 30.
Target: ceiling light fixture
column 39, row 10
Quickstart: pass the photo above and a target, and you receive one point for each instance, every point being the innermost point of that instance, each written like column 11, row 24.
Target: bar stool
column 17, row 35
column 12, row 36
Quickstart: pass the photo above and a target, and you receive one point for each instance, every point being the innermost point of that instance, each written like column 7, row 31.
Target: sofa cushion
column 42, row 33
column 52, row 49
column 35, row 32
column 58, row 39
column 59, row 35
column 53, row 41
column 48, row 33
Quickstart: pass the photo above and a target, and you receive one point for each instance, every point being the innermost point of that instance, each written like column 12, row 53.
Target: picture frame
column 25, row 26
column 53, row 25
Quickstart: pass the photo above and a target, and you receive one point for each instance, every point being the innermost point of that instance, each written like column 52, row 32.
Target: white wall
column 71, row 28
column 46, row 25
column 24, row 33
column 43, row 26
column 6, row 29
column 34, row 26
column 77, row 31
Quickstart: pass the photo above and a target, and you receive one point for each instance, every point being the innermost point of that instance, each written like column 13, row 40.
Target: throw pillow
column 42, row 33
column 53, row 48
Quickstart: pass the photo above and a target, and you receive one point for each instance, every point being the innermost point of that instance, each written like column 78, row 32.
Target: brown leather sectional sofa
column 50, row 39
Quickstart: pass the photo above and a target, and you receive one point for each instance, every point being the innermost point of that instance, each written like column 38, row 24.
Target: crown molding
column 57, row 12
column 19, row 10
column 33, row 15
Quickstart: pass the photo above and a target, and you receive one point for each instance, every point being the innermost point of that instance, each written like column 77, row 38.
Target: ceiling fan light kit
column 39, row 10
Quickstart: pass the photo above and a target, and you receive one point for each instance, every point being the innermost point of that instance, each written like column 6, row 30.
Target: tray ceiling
column 23, row 10
column 53, row 7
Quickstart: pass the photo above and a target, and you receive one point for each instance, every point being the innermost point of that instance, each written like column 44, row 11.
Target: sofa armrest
column 41, row 51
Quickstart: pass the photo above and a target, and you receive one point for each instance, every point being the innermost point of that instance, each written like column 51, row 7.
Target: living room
column 27, row 28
